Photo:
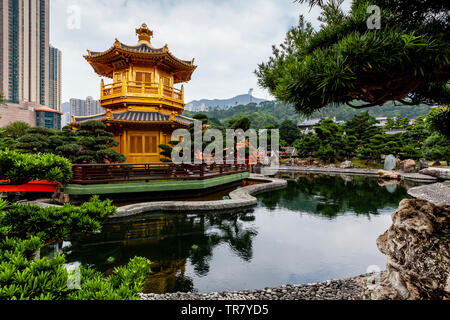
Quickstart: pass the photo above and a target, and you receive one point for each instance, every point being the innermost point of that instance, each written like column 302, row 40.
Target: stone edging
column 339, row 289
column 354, row 171
column 240, row 198
column 437, row 193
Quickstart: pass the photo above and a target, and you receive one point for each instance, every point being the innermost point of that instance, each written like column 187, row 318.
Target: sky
column 227, row 38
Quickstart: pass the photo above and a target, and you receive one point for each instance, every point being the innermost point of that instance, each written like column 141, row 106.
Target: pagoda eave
column 106, row 63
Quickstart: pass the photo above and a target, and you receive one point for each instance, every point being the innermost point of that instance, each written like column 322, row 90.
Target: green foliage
column 21, row 168
column 96, row 144
column 6, row 143
column 15, row 130
column 124, row 284
column 262, row 115
column 289, row 131
column 166, row 150
column 24, row 229
column 239, row 123
column 344, row 61
column 439, row 120
column 52, row 223
column 24, row 278
column 39, row 140
column 437, row 147
column 362, row 138
column 91, row 144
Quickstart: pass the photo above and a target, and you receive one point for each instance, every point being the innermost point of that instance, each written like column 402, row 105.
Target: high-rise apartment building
column 25, row 51
column 84, row 108
column 55, row 90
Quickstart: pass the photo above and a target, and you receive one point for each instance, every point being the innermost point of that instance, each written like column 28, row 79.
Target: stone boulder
column 440, row 173
column 408, row 166
column 347, row 165
column 423, row 164
column 436, row 164
column 389, row 175
column 310, row 161
column 397, row 163
column 390, row 163
column 417, row 246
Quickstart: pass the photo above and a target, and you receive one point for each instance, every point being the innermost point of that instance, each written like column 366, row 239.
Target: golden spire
column 144, row 33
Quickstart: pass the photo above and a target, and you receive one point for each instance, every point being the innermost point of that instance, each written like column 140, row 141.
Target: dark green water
column 317, row 229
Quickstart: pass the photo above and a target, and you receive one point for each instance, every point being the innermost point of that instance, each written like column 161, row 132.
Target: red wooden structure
column 32, row 186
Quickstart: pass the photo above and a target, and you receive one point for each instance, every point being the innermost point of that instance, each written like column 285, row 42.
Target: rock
column 310, row 161
column 423, row 164
column 397, row 163
column 437, row 193
column 417, row 247
column 408, row 166
column 347, row 165
column 440, row 173
column 436, row 164
column 390, row 163
column 389, row 175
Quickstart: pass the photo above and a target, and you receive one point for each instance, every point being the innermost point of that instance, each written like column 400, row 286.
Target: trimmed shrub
column 21, row 168
column 56, row 223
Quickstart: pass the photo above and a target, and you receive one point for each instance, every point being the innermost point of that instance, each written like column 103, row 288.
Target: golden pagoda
column 142, row 105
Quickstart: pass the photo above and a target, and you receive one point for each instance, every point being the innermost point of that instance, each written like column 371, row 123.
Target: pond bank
column 353, row 171
column 239, row 198
column 341, row 289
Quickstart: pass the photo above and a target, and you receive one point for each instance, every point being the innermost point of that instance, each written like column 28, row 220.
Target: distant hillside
column 205, row 104
column 344, row 113
column 268, row 112
column 272, row 112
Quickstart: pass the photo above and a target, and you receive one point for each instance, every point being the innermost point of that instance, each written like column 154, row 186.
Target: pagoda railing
column 112, row 173
column 141, row 89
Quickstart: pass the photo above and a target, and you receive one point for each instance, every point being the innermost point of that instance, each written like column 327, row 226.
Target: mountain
column 205, row 104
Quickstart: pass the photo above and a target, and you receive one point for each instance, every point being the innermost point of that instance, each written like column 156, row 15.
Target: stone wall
column 417, row 247
column 14, row 112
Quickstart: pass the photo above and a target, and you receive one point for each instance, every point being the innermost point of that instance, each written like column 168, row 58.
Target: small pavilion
column 142, row 104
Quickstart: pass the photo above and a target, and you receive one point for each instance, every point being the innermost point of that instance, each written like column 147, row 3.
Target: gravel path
column 344, row 289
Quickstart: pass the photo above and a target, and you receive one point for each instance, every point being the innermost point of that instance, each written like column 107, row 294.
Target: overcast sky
column 227, row 38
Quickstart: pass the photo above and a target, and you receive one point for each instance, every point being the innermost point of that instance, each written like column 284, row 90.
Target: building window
column 165, row 81
column 145, row 77
column 143, row 144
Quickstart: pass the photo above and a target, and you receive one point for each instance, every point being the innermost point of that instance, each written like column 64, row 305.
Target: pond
column 319, row 228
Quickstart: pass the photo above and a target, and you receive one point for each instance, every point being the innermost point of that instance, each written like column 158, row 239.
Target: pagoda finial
column 144, row 33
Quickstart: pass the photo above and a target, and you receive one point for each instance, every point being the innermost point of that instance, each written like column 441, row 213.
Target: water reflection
column 285, row 239
column 330, row 196
column 168, row 241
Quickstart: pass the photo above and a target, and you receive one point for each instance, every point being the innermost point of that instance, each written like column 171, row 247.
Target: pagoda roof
column 136, row 116
column 121, row 56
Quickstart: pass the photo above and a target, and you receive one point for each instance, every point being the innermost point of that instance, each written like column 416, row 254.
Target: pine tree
column 96, row 144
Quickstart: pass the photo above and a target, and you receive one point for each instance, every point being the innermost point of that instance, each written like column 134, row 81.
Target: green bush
column 22, row 168
column 56, row 223
column 22, row 277
column 24, row 229
column 124, row 284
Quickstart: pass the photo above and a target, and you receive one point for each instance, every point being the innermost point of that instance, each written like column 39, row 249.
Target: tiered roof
column 121, row 56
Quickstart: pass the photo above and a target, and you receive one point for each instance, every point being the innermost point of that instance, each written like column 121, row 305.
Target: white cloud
column 227, row 38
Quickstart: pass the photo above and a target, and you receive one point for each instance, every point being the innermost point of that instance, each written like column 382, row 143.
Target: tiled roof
column 90, row 118
column 147, row 116
column 142, row 48
column 141, row 116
